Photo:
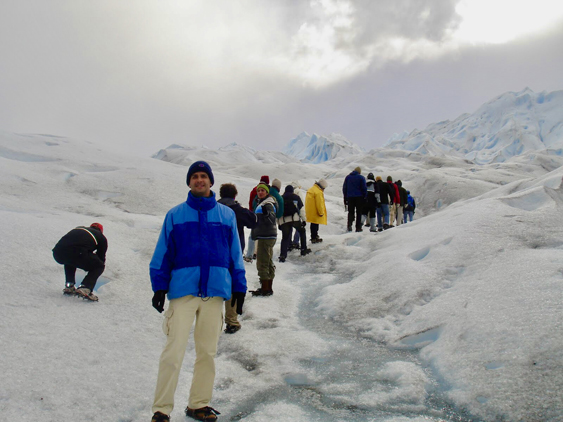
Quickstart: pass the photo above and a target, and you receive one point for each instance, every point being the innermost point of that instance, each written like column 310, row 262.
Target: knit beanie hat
column 371, row 176
column 197, row 167
column 389, row 179
column 277, row 184
column 323, row 183
column 263, row 186
column 399, row 183
column 289, row 189
column 358, row 169
column 265, row 180
column 97, row 226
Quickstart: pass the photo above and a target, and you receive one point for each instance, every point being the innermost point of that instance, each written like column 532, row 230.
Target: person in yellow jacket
column 315, row 208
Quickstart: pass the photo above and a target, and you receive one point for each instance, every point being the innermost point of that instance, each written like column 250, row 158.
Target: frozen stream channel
column 349, row 378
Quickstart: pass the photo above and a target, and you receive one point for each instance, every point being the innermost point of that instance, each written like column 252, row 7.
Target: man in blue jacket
column 354, row 190
column 198, row 262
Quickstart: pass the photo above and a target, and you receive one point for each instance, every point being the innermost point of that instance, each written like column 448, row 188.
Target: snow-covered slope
column 456, row 316
column 318, row 149
column 510, row 125
column 232, row 153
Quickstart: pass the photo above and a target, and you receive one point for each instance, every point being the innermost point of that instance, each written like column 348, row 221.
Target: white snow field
column 457, row 316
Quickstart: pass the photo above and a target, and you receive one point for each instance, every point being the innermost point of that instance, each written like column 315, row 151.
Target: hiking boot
column 203, row 414
column 316, row 240
column 257, row 292
column 380, row 229
column 281, row 259
column 247, row 259
column 69, row 290
column 86, row 293
column 254, row 256
column 294, row 246
column 349, row 228
column 305, row 251
column 359, row 229
column 160, row 417
column 385, row 226
column 231, row 329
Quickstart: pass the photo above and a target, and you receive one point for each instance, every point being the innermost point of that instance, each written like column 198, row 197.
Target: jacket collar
column 200, row 203
column 227, row 201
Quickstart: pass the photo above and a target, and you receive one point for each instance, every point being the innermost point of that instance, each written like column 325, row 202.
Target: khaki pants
column 264, row 259
column 393, row 213
column 231, row 314
column 179, row 318
column 399, row 216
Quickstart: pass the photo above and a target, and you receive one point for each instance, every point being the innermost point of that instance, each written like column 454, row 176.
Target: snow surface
column 512, row 124
column 457, row 316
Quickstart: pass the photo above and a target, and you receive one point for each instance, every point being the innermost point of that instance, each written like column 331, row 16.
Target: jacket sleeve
column 320, row 203
column 364, row 187
column 301, row 209
column 102, row 249
column 345, row 188
column 236, row 266
column 249, row 219
column 162, row 259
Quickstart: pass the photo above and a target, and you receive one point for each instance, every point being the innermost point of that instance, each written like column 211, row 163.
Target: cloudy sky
column 141, row 75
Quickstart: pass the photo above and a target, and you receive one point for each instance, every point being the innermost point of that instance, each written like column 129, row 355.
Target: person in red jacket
column 396, row 201
column 249, row 255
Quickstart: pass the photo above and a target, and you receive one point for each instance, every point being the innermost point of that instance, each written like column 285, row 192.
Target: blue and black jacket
column 198, row 252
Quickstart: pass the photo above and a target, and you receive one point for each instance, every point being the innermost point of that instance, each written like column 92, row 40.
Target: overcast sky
column 145, row 74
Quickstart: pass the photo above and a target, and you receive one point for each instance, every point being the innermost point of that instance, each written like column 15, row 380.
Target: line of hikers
column 377, row 203
column 198, row 262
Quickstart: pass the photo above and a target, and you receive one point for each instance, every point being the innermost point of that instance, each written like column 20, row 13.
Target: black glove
column 238, row 298
column 345, row 201
column 158, row 300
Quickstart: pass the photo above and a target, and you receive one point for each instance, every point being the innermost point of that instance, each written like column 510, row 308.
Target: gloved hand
column 259, row 210
column 158, row 300
column 303, row 223
column 345, row 201
column 238, row 298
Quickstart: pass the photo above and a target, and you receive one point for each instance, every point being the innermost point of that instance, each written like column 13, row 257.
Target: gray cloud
column 139, row 75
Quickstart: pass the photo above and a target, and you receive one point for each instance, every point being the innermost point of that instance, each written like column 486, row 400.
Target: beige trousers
column 399, row 216
column 179, row 318
column 393, row 213
column 231, row 314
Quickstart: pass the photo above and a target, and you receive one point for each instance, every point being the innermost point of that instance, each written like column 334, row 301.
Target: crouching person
column 84, row 248
column 198, row 263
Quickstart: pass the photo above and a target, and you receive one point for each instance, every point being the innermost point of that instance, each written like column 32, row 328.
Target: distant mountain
column 232, row 153
column 510, row 125
column 318, row 149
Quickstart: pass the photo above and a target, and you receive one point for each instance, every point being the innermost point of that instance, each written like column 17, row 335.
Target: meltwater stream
column 360, row 379
column 364, row 380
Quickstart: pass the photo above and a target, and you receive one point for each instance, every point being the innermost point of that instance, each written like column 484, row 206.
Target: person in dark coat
column 266, row 233
column 294, row 217
column 84, row 248
column 386, row 196
column 354, row 190
column 245, row 218
column 373, row 201
column 402, row 203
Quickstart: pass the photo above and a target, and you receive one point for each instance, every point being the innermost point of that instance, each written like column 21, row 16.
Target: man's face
column 261, row 193
column 200, row 184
